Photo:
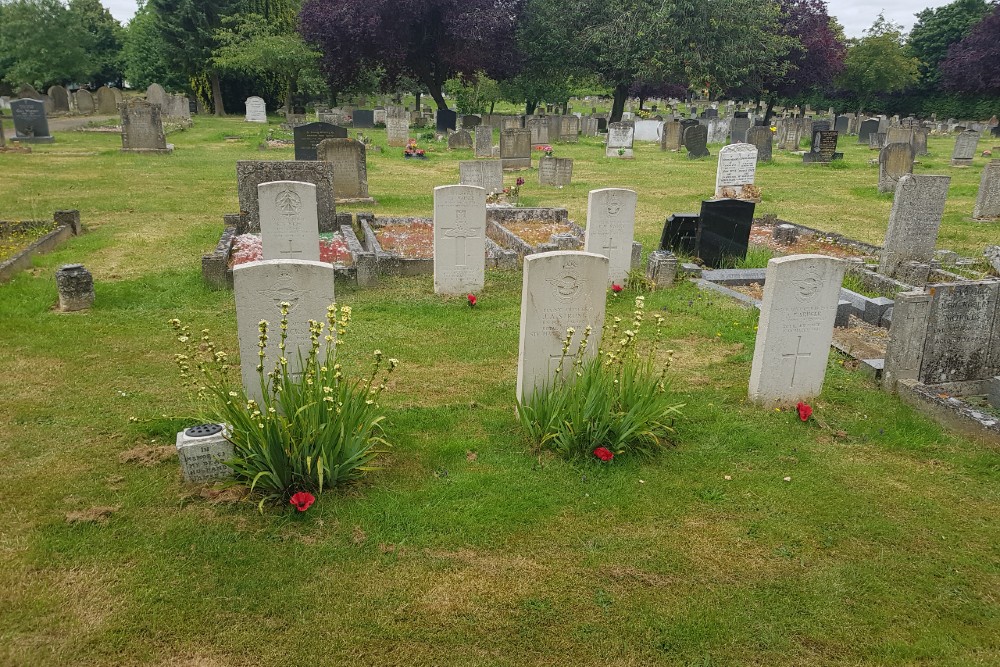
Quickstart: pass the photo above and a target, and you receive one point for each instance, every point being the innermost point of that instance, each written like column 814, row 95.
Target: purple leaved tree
column 971, row 66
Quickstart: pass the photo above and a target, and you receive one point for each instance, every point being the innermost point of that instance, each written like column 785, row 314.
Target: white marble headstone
column 256, row 110
column 610, row 229
column 560, row 290
column 648, row 130
column 289, row 220
column 459, row 239
column 260, row 288
column 620, row 138
column 797, row 314
column 737, row 167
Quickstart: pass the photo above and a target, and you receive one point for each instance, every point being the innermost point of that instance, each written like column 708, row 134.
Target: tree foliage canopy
column 938, row 28
column 973, row 65
column 878, row 62
column 35, row 44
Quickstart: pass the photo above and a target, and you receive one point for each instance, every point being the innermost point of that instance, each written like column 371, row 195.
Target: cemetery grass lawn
column 467, row 548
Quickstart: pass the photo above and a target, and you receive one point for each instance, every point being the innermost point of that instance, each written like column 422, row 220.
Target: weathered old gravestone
column 363, row 118
column 28, row 92
column 906, row 337
column 256, row 110
column 511, row 123
column 397, row 129
column 842, row 124
column 988, row 200
column 671, row 140
column 459, row 239
column 30, row 124
column 894, row 162
column 867, row 128
column 761, row 138
column 696, row 141
column 106, row 101
column 289, row 221
column 648, row 130
column 445, row 120
column 308, row 137
column 251, row 173
column 3, row 137
column 620, row 140
column 965, row 148
column 142, row 128
column 557, row 171
column 84, row 101
column 569, row 129
column 260, row 289
column 350, row 168
column 539, row 128
column 459, row 139
column 737, row 168
column 560, row 290
column 738, row 129
column 797, row 314
column 515, row 148
column 486, row 174
column 611, row 229
column 913, row 221
column 718, row 130
column 823, row 148
column 897, row 134
column 724, row 230
column 379, row 115
column 202, row 451
column 484, row 141
column 59, row 97
column 176, row 106
column 156, row 95
column 919, row 142
column 471, row 122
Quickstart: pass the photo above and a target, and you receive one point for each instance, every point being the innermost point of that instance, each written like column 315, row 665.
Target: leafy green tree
column 548, row 45
column 937, row 29
column 878, row 63
column 35, row 47
column 145, row 53
column 106, row 37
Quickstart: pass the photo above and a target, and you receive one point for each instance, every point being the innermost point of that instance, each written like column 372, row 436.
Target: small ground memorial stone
column 84, row 102
column 59, row 97
column 363, row 118
column 797, row 315
column 661, row 268
column 75, row 285
column 560, row 290
column 486, row 174
column 988, row 199
column 914, row 221
column 106, row 101
column 459, row 139
column 823, row 149
column 620, row 140
column 350, row 168
column 671, row 138
column 737, row 168
column 155, row 94
column 761, row 137
column 308, row 137
column 142, row 128
column 724, row 231
column 484, row 141
column 256, row 110
column 556, row 171
column 965, row 148
column 289, row 221
column 260, row 288
column 397, row 129
column 459, row 239
column 251, row 173
column 515, row 148
column 894, row 162
column 30, row 124
column 611, row 229
column 906, row 337
column 202, row 451
column 445, row 120
column 696, row 142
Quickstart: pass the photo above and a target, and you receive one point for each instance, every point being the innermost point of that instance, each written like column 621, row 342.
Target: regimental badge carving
column 288, row 203
column 614, row 204
column 568, row 287
column 285, row 290
column 809, row 285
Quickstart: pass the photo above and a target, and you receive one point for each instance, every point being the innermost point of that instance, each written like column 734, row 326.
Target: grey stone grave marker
column 256, row 110
column 459, row 238
column 30, row 124
column 611, row 229
column 894, row 162
column 965, row 148
column 142, row 128
column 486, row 174
column 914, row 221
column 515, row 148
column 556, row 171
column 349, row 159
column 988, row 199
column 484, row 141
column 251, row 173
column 696, row 141
column 308, row 137
column 289, row 220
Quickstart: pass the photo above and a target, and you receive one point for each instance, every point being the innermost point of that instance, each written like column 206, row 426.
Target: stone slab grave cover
column 823, row 148
column 256, row 110
column 30, row 124
column 761, row 137
column 459, row 239
column 797, row 315
column 106, row 101
column 648, row 130
column 84, row 102
column 260, row 288
column 308, row 137
column 696, row 142
column 397, row 129
column 201, row 451
column 445, row 120
column 914, row 221
column 555, row 171
column 155, row 94
column 962, row 341
column 965, row 148
column 515, row 148
column 560, row 290
column 894, row 162
column 724, row 230
column 988, row 199
column 459, row 139
column 251, row 173
column 289, row 221
column 671, row 136
column 486, row 174
column 737, row 167
column 59, row 97
column 611, row 229
column 142, row 128
column 350, row 168
column 363, row 118
column 484, row 141
column 620, row 140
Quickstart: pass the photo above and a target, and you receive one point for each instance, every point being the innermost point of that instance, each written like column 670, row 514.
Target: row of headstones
column 105, row 100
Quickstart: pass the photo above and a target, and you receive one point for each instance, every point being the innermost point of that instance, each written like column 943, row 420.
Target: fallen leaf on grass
column 358, row 536
column 470, row 455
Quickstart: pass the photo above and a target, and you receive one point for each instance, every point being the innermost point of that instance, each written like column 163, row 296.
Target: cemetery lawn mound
column 467, row 547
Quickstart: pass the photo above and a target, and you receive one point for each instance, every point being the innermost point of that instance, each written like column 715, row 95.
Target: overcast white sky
column 854, row 15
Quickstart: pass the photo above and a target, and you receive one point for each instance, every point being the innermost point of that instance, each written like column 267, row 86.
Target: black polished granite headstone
column 30, row 122
column 724, row 231
column 866, row 128
column 696, row 141
column 308, row 136
column 363, row 118
column 446, row 120
column 680, row 233
column 823, row 148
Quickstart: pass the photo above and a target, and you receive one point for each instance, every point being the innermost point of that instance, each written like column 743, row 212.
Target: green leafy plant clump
column 309, row 430
column 616, row 402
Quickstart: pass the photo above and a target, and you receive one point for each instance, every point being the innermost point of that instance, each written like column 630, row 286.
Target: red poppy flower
column 472, row 300
column 603, row 453
column 615, row 287
column 805, row 412
column 302, row 500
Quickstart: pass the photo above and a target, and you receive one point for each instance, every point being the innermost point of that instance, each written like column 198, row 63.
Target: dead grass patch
column 100, row 515
column 148, row 455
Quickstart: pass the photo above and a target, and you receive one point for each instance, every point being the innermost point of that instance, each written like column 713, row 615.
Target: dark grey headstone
column 363, row 118
column 696, row 141
column 961, row 326
column 824, row 147
column 762, row 138
column 724, row 231
column 738, row 129
column 251, row 173
column 446, row 120
column 30, row 123
column 868, row 127
column 59, row 97
column 842, row 123
column 470, row 122
column 680, row 233
column 308, row 136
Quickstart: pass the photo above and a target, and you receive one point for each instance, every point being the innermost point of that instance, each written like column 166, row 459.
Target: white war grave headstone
column 560, row 290
column 289, row 220
column 459, row 239
column 610, row 229
column 737, row 168
column 797, row 314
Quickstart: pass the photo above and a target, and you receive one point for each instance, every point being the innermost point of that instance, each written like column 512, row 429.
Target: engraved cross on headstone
column 795, row 356
column 610, row 245
column 461, row 235
column 291, row 251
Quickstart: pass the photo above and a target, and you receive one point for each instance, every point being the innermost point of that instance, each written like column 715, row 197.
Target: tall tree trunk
column 220, row 110
column 618, row 107
column 416, row 97
column 770, row 110
column 642, row 101
column 435, row 92
column 288, row 97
